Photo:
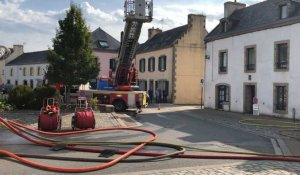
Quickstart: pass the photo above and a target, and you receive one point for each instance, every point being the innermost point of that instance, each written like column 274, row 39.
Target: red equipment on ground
column 84, row 116
column 49, row 118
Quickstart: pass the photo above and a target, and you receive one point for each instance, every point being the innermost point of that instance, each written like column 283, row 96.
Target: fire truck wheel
column 119, row 105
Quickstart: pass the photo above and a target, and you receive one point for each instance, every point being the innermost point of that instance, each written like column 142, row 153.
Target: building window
column 25, row 82
column 11, row 72
column 31, row 83
column 224, row 26
column 162, row 63
column 38, row 71
column 8, row 81
column 283, row 11
column 16, row 83
column 142, row 65
column 163, row 87
column 24, row 71
column 223, row 62
column 250, row 59
column 143, row 85
column 151, row 64
column 281, row 56
column 103, row 44
column 112, row 64
column 280, row 98
column 31, row 71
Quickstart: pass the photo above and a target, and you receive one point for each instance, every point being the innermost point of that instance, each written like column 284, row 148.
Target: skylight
column 103, row 44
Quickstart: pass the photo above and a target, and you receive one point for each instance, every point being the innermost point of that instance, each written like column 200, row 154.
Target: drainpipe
column 173, row 74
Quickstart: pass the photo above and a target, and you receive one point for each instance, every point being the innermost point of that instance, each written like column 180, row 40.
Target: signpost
column 202, row 84
column 255, row 106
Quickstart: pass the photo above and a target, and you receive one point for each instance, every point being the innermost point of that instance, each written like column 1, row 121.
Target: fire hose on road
column 21, row 131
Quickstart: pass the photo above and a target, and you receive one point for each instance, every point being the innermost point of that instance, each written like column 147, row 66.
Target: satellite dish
column 4, row 52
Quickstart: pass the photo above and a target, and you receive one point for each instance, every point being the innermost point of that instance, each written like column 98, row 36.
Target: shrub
column 40, row 93
column 4, row 106
column 20, row 96
column 93, row 102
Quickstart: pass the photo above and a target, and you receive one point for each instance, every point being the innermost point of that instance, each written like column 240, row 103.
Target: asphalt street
column 172, row 126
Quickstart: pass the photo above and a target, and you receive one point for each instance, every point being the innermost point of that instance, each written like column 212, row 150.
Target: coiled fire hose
column 125, row 153
column 73, row 170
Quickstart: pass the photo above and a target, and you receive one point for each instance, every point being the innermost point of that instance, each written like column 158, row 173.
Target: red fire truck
column 124, row 93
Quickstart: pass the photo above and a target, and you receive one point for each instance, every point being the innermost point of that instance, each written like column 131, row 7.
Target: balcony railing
column 281, row 107
column 222, row 69
column 282, row 65
column 250, row 67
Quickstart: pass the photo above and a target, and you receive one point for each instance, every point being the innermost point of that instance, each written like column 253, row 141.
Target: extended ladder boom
column 137, row 12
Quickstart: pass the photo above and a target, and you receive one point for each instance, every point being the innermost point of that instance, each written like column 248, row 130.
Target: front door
column 222, row 96
column 248, row 98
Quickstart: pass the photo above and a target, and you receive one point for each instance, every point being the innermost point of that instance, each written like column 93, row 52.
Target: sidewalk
column 243, row 168
column 103, row 120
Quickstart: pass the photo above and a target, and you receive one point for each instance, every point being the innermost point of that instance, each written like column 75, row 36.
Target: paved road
column 175, row 125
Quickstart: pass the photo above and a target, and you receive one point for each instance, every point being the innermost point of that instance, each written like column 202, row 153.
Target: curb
column 119, row 117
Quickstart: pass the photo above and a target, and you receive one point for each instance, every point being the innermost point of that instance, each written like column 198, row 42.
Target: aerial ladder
column 137, row 12
column 4, row 52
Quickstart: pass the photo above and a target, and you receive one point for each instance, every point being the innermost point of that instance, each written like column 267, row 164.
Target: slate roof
column 30, row 58
column 260, row 16
column 162, row 40
column 101, row 35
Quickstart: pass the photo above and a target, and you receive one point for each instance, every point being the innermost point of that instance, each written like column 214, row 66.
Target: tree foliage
column 71, row 60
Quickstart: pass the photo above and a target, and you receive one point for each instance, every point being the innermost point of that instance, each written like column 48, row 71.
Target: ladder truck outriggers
column 125, row 94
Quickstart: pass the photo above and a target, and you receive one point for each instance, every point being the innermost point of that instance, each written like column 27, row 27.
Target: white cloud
column 93, row 13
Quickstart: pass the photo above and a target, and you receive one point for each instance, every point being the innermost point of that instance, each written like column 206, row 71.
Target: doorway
column 223, row 96
column 249, row 93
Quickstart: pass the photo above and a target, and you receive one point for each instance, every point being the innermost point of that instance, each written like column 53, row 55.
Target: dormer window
column 283, row 11
column 224, row 26
column 103, row 44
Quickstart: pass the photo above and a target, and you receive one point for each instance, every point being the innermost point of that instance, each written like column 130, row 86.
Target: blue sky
column 33, row 22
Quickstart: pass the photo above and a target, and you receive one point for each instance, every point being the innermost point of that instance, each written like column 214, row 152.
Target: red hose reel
column 84, row 116
column 49, row 118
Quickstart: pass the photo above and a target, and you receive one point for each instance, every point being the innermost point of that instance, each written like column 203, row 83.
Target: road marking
column 285, row 150
column 276, row 147
column 162, row 116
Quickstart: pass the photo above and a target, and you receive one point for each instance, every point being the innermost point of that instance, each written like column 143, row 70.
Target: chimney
column 152, row 32
column 17, row 51
column 230, row 7
column 18, row 48
column 195, row 19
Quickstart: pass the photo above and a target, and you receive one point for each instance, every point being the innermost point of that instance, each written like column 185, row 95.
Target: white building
column 27, row 69
column 254, row 51
column 30, row 68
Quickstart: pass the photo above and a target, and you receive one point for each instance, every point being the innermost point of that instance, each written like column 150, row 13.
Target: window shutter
column 276, row 56
column 165, row 62
column 140, row 66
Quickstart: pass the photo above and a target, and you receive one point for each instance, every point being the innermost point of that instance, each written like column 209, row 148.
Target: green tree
column 71, row 60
